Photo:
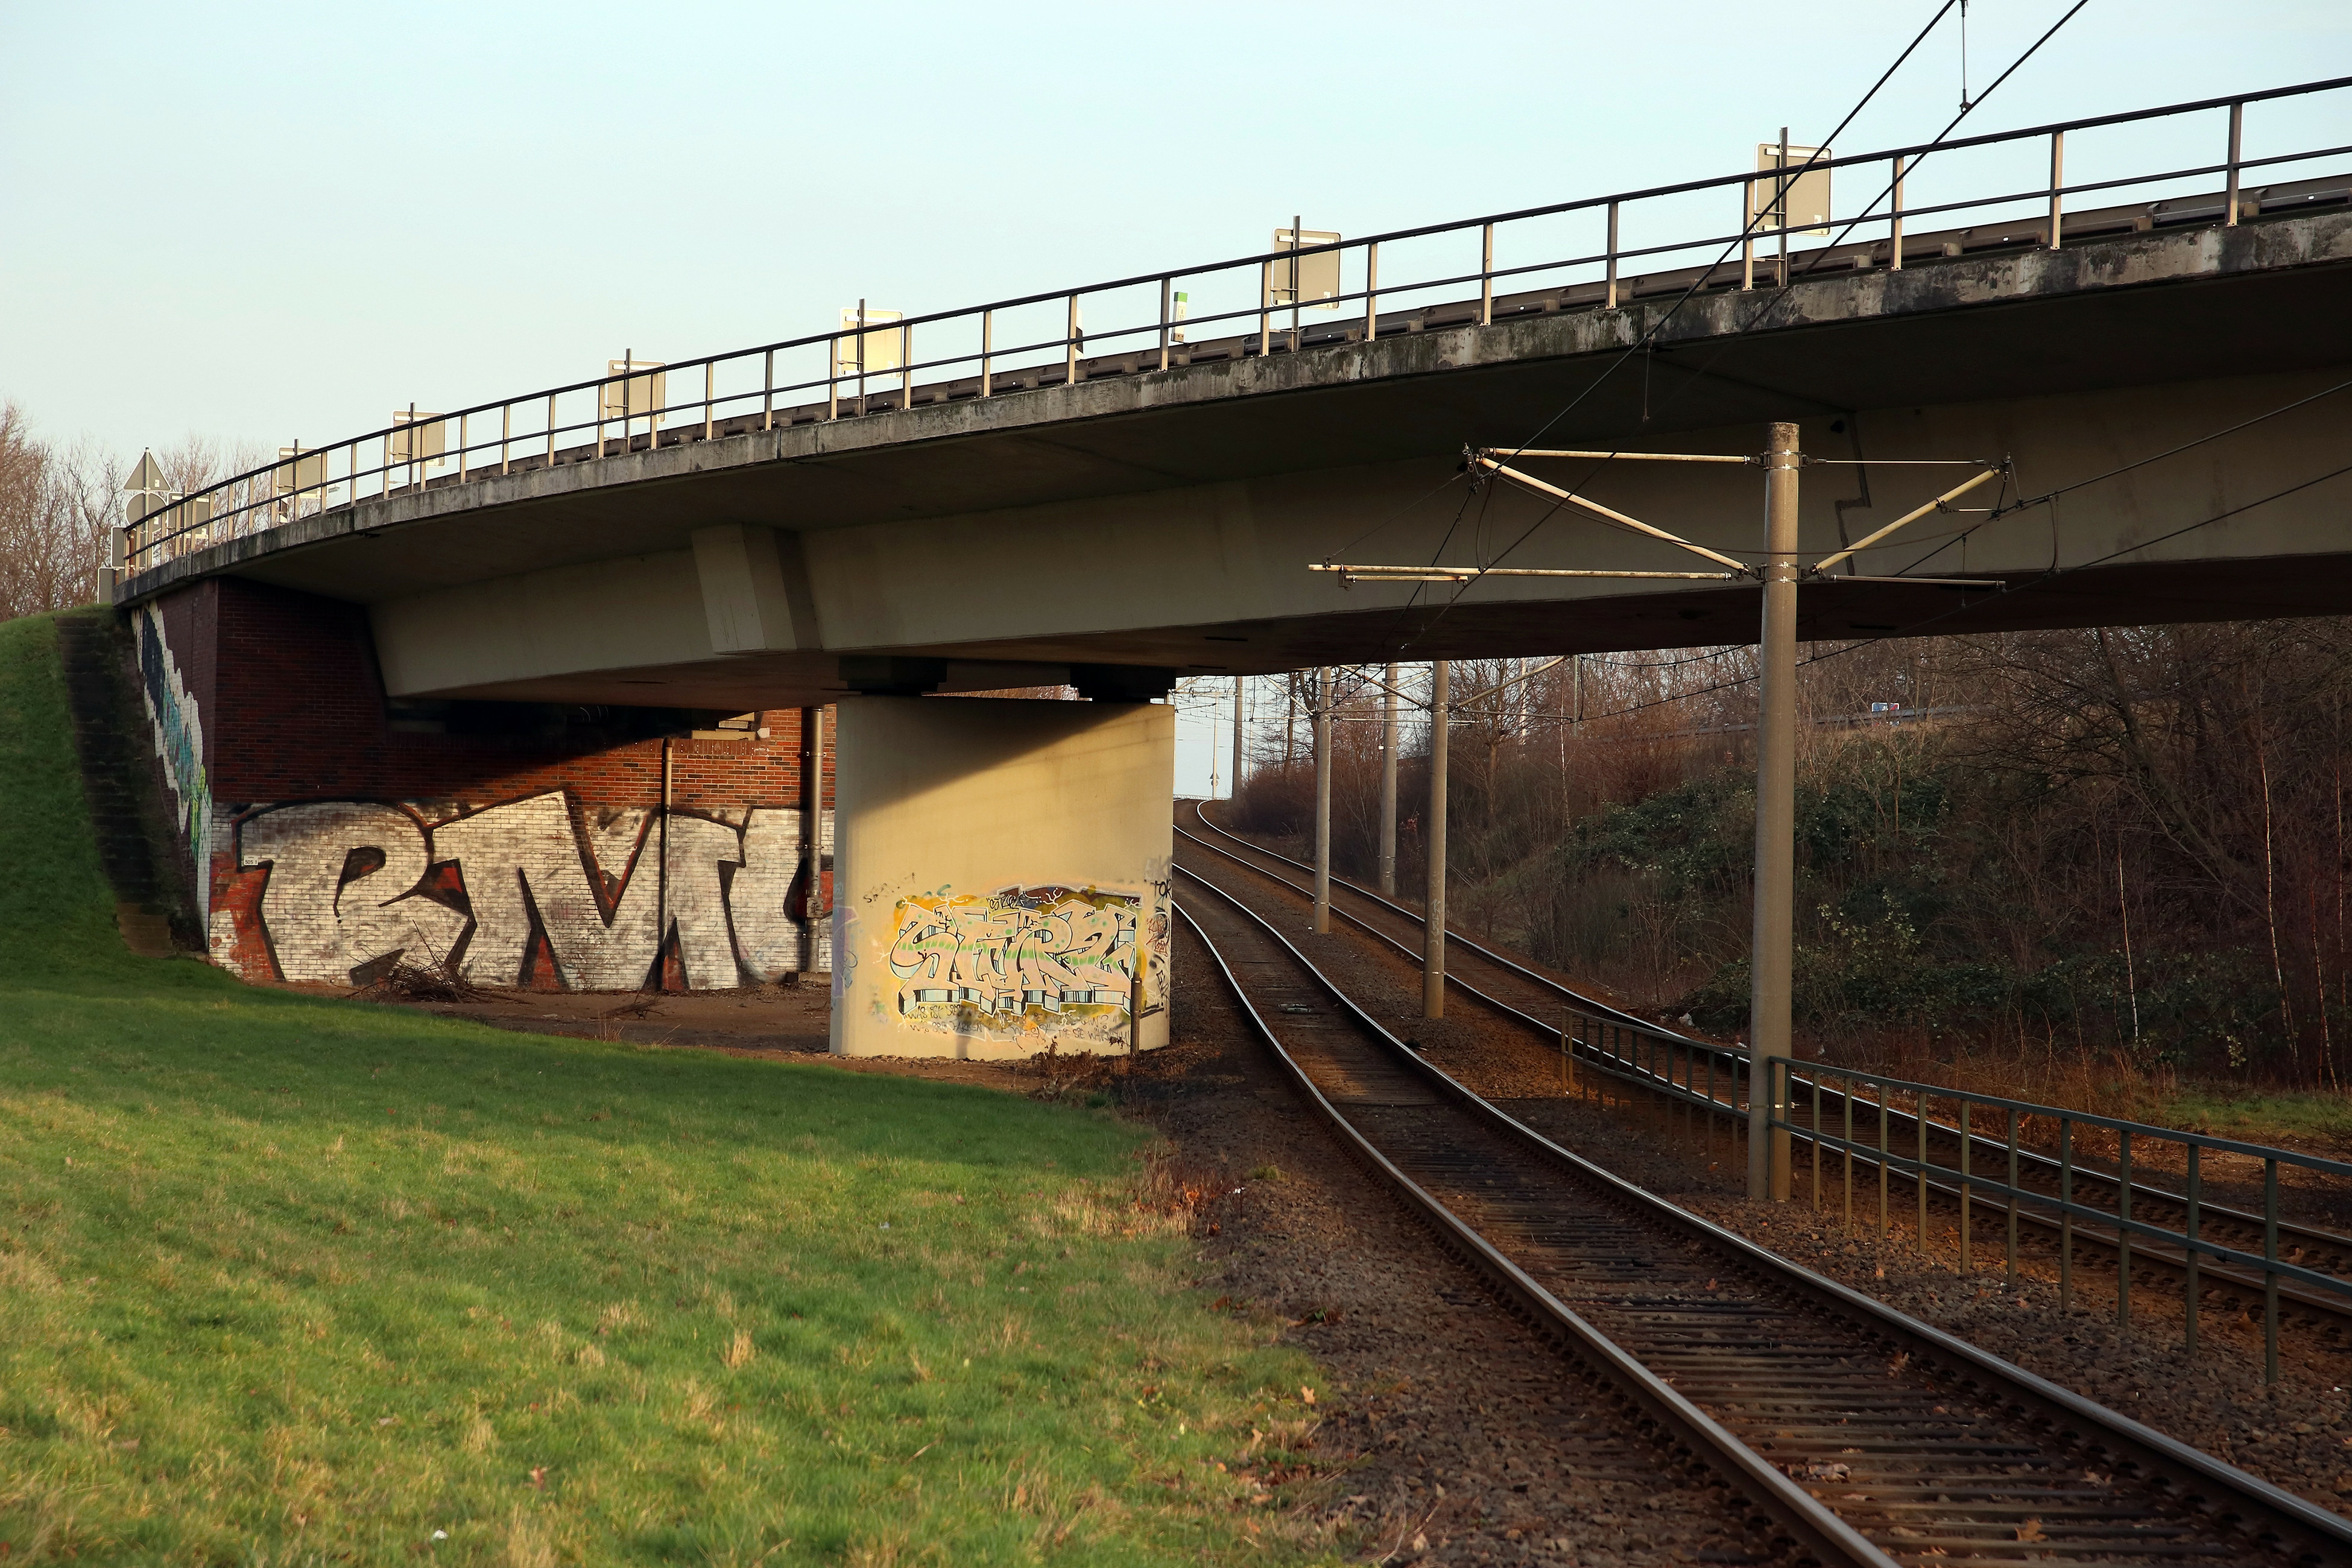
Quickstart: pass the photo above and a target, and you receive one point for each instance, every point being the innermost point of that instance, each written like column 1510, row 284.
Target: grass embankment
column 288, row 1281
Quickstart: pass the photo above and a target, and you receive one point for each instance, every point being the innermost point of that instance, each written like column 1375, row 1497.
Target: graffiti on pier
column 1017, row 959
column 179, row 730
column 528, row 892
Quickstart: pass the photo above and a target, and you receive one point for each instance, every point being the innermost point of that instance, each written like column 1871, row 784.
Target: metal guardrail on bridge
column 1041, row 339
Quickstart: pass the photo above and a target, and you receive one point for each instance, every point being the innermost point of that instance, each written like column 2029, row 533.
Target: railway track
column 1864, row 1437
column 1540, row 1004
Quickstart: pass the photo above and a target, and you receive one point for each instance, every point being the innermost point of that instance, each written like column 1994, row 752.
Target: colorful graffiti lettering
column 1009, row 961
column 351, row 884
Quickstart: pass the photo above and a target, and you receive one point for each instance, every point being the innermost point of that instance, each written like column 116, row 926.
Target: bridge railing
column 2179, row 163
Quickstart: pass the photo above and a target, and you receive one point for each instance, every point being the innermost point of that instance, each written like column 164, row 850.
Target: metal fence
column 2072, row 1176
column 1719, row 231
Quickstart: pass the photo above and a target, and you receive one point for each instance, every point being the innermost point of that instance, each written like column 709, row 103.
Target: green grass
column 2319, row 1117
column 286, row 1280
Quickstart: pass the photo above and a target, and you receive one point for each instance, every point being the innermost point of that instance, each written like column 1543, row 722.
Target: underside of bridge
column 1166, row 519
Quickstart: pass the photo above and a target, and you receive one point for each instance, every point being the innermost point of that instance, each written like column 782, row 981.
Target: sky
column 260, row 222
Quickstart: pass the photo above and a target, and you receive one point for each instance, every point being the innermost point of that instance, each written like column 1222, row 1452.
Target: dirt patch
column 789, row 1023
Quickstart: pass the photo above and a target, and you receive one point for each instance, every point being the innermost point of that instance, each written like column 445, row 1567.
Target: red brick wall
column 294, row 710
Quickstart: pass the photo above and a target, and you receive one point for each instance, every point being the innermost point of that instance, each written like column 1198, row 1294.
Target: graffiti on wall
column 178, row 734
column 1019, row 959
column 523, row 891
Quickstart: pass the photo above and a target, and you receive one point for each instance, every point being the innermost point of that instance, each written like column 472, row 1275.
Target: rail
column 1826, row 1539
column 1714, row 1080
column 1981, row 1490
column 1033, row 341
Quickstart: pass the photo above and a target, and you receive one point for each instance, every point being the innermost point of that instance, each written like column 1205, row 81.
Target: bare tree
column 55, row 507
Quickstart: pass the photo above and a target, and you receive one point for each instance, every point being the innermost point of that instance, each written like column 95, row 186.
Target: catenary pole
column 1322, row 801
column 1389, row 786
column 1772, row 950
column 1433, row 954
column 1238, row 683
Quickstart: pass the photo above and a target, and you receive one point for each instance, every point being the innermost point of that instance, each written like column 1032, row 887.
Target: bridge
column 1116, row 484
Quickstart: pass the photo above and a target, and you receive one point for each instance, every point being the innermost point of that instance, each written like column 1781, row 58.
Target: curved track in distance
column 1538, row 1003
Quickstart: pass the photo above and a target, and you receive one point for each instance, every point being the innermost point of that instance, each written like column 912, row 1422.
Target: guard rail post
column 1845, row 1155
column 2270, row 1271
column 1968, row 1261
column 2237, row 131
column 2122, row 1231
column 1895, row 221
column 2065, row 1214
column 2190, row 1292
column 2010, row 1273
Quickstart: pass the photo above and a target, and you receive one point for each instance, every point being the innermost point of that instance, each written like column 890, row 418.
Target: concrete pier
column 1000, row 864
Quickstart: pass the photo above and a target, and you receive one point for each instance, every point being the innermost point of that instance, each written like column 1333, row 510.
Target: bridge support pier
column 999, row 865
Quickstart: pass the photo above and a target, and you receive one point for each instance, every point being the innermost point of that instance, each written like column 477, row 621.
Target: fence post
column 1845, row 1153
column 2057, row 181
column 2065, row 1213
column 1919, row 1118
column 1884, row 1154
column 1612, row 256
column 1817, row 1143
column 1968, row 1211
column 1747, row 235
column 2270, row 1271
column 2237, row 128
column 2011, row 1270
column 2188, row 1294
column 1710, row 1102
column 2123, row 1232
column 1486, row 275
column 1894, row 233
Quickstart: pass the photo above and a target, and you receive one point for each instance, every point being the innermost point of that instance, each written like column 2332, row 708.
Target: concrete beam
column 601, row 616
column 755, row 589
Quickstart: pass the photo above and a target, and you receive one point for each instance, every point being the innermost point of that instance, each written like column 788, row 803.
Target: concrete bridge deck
column 1164, row 519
